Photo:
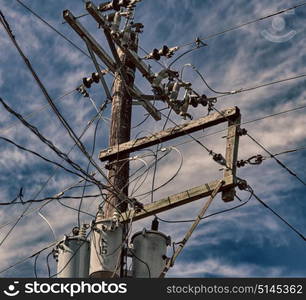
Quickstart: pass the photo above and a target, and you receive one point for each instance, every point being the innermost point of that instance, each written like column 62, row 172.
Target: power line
column 26, row 210
column 63, row 155
column 49, row 100
column 243, row 90
column 155, row 155
column 40, row 156
column 49, row 198
column 183, row 54
column 267, row 151
column 258, row 159
column 78, row 210
column 218, row 158
column 246, row 122
column 277, row 215
column 290, row 151
column 28, row 257
column 205, row 82
column 53, row 28
column 252, row 194
column 88, row 166
column 36, row 111
column 205, row 38
column 277, row 160
column 210, row 215
column 48, row 142
column 51, row 176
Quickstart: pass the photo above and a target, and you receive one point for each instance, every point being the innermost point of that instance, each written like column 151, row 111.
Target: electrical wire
column 192, row 137
column 76, row 209
column 205, row 38
column 57, row 31
column 88, row 166
column 158, row 147
column 40, row 156
column 36, row 111
column 277, row 160
column 142, row 261
column 303, row 148
column 27, row 258
column 48, row 265
column 49, row 199
column 62, row 155
column 49, row 224
column 211, row 215
column 71, row 133
column 40, row 84
column 168, row 181
column 183, row 54
column 277, row 215
column 53, row 28
column 35, row 265
column 205, row 82
column 243, row 90
column 267, row 151
column 146, row 172
column 27, row 209
column 259, row 158
column 244, row 123
column 51, row 145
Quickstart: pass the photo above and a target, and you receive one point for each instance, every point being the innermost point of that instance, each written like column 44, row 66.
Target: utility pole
column 120, row 131
column 109, row 247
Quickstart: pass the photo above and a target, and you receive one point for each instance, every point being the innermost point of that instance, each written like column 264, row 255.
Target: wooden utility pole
column 120, row 132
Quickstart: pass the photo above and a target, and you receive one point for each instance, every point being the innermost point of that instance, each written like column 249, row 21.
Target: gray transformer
column 149, row 253
column 73, row 257
column 105, row 253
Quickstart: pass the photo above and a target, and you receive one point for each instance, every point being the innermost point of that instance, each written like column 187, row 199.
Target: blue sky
column 247, row 242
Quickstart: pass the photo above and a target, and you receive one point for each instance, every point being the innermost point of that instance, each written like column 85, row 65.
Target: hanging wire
column 36, row 111
column 213, row 214
column 88, row 166
column 243, row 90
column 27, row 258
column 243, row 123
column 208, row 37
column 205, row 82
column 277, row 215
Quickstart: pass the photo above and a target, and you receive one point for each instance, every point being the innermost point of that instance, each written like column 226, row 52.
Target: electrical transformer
column 149, row 253
column 105, row 253
column 72, row 255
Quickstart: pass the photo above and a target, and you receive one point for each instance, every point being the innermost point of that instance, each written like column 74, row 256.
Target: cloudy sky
column 246, row 242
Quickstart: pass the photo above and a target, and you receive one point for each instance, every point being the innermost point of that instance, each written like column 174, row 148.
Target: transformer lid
column 75, row 238
column 145, row 232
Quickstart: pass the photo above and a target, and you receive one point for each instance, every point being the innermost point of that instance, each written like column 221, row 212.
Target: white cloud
column 242, row 58
column 222, row 268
